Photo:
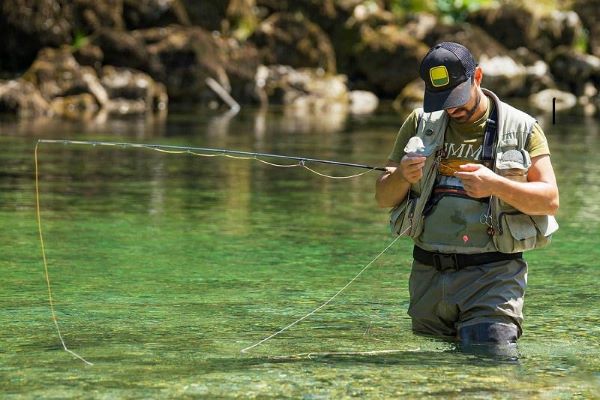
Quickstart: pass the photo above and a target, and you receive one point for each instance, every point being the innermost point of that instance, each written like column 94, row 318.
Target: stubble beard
column 468, row 112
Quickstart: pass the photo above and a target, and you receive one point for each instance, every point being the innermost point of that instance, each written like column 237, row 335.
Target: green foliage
column 79, row 40
column 582, row 41
column 401, row 7
column 458, row 10
column 452, row 10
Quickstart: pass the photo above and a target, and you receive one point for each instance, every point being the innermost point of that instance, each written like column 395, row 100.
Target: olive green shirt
column 469, row 135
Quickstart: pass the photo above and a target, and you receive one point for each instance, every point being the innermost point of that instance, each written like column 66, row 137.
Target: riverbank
column 94, row 60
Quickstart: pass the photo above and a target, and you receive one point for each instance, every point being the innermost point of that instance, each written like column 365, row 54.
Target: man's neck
column 481, row 108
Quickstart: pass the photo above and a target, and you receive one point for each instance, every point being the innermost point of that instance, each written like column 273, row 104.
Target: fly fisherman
column 470, row 181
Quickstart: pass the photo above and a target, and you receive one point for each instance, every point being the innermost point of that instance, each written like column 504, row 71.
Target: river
column 164, row 266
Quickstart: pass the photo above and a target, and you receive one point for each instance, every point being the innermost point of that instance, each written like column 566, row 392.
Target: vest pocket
column 402, row 217
column 521, row 232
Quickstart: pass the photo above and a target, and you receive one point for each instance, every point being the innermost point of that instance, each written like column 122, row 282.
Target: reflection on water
column 165, row 266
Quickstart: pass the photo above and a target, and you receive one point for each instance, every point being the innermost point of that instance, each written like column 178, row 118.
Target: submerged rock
column 543, row 101
column 78, row 106
column 362, row 102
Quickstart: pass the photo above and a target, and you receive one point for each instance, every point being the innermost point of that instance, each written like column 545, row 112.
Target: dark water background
column 164, row 266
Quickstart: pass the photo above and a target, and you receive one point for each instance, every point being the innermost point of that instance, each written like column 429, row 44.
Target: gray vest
column 512, row 231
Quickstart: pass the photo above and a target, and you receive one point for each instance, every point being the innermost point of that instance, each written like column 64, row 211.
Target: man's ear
column 478, row 75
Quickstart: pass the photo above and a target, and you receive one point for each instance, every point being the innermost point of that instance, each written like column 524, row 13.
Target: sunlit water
column 163, row 267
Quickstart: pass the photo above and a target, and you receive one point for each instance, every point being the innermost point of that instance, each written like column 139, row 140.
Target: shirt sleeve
column 408, row 130
column 537, row 145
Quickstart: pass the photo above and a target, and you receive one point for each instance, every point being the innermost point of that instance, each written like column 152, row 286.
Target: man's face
column 464, row 113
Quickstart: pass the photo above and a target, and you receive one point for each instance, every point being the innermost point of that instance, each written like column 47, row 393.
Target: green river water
column 163, row 267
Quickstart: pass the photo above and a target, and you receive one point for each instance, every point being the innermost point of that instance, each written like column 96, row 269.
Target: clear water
column 164, row 266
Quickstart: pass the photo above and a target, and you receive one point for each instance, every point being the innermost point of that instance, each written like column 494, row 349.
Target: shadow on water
column 451, row 359
column 454, row 358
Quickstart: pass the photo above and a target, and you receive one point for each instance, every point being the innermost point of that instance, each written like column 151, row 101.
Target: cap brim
column 456, row 97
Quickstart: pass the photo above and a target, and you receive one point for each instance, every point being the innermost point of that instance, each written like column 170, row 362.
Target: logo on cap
column 439, row 76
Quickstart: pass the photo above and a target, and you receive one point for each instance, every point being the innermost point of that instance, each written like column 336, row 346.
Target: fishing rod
column 211, row 150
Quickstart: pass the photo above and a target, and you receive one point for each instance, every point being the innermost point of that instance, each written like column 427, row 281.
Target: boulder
column 538, row 78
column 292, row 39
column 470, row 36
column 410, row 97
column 573, row 69
column 26, row 26
column 75, row 91
column 207, row 14
column 125, row 49
column 502, row 75
column 557, row 28
column 511, row 24
column 189, row 55
column 517, row 72
column 55, row 72
column 142, row 14
column 419, row 25
column 89, row 55
column 132, row 91
column 304, row 90
column 342, row 21
column 92, row 15
column 242, row 61
column 21, row 98
column 388, row 59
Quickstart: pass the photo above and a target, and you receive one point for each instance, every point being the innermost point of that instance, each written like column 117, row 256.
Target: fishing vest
column 511, row 231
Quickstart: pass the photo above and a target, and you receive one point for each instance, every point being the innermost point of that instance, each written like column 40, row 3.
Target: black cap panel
column 446, row 71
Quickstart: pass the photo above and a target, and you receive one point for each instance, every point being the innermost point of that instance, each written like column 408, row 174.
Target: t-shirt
column 451, row 220
column 471, row 135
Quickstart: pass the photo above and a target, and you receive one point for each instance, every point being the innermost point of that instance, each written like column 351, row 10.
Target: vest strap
column 490, row 138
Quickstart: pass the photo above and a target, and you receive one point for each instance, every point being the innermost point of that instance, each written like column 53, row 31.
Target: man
column 476, row 191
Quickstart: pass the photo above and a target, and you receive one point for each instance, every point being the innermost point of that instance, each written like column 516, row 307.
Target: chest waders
column 504, row 152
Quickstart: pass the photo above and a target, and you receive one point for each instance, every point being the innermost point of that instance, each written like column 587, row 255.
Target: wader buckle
column 446, row 262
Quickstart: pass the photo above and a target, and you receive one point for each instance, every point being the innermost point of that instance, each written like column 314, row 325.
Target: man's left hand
column 477, row 179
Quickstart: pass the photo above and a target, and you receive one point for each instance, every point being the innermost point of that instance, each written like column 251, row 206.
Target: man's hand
column 393, row 185
column 478, row 180
column 411, row 167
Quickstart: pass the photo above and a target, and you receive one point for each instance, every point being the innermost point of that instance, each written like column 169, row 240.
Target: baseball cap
column 447, row 70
